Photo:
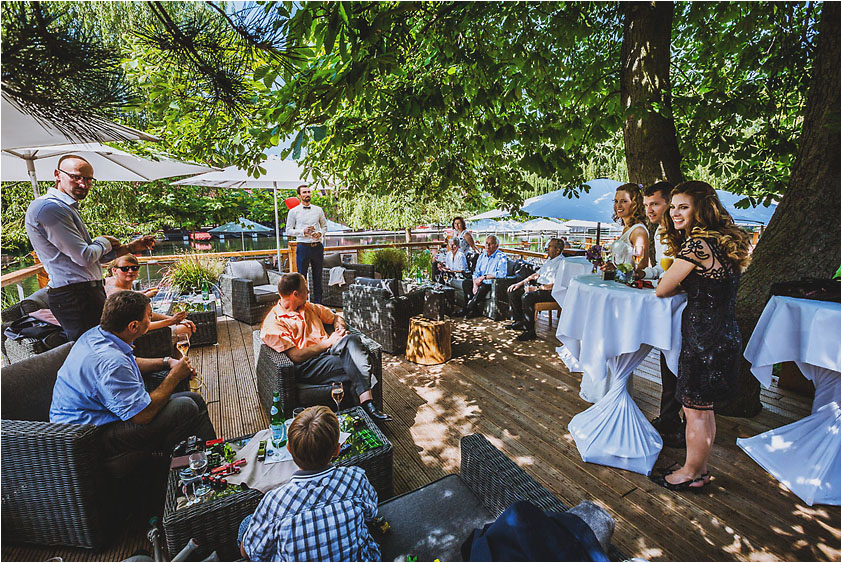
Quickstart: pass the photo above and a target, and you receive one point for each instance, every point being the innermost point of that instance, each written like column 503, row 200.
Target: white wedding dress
column 622, row 251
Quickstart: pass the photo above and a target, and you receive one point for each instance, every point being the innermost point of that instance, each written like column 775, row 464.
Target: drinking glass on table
column 199, row 464
column 337, row 392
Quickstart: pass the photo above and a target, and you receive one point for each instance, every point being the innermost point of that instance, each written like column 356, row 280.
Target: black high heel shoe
column 689, row 485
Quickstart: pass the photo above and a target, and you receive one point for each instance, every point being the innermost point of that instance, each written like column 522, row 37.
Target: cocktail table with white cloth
column 570, row 267
column 607, row 329
column 804, row 455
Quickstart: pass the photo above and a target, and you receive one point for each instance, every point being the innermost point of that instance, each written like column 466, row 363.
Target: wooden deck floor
column 521, row 397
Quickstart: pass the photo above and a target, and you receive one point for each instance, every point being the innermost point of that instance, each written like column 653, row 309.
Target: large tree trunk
column 803, row 236
column 649, row 130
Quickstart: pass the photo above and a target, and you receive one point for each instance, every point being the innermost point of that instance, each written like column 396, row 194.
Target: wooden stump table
column 429, row 341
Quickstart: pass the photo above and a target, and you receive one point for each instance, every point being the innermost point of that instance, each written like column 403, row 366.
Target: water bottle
column 277, row 423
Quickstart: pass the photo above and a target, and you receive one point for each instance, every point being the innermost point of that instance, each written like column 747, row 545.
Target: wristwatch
column 167, row 362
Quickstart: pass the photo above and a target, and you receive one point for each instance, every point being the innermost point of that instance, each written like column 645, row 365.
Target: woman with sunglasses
column 124, row 272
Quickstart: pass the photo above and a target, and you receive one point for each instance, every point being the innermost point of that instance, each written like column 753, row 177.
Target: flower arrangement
column 594, row 254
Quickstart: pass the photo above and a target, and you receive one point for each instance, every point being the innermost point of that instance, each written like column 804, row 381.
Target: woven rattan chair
column 496, row 305
column 332, row 294
column 249, row 290
column 489, row 482
column 385, row 319
column 57, row 488
column 276, row 373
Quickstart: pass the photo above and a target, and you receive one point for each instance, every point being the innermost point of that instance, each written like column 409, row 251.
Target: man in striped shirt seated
column 321, row 513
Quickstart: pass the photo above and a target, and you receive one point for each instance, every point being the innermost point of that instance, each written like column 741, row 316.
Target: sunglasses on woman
column 128, row 268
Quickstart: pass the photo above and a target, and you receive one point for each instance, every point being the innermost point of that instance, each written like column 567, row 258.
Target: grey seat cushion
column 252, row 270
column 431, row 522
column 332, row 260
column 391, row 286
column 266, row 288
column 27, row 386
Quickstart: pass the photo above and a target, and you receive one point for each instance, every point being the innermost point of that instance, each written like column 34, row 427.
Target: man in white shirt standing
column 537, row 288
column 656, row 199
column 307, row 223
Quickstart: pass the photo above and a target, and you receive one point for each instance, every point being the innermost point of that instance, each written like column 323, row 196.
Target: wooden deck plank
column 521, row 397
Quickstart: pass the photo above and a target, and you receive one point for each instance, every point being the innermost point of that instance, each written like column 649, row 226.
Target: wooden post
column 292, row 255
column 42, row 276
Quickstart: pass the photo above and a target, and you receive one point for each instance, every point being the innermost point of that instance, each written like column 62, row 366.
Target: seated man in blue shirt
column 490, row 265
column 321, row 513
column 101, row 384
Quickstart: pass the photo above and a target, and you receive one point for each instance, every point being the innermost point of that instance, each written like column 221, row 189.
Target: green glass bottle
column 277, row 422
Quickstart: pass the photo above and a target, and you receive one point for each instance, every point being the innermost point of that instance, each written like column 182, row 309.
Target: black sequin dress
column 708, row 367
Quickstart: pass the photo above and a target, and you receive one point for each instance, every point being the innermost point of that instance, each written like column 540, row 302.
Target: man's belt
column 309, row 244
column 91, row 283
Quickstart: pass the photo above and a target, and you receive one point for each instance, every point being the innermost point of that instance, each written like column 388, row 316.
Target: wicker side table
column 205, row 322
column 214, row 524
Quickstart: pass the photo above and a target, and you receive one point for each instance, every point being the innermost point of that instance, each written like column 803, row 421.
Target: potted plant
column 388, row 262
column 191, row 271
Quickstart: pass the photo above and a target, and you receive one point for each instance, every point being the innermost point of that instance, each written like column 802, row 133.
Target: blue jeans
column 307, row 257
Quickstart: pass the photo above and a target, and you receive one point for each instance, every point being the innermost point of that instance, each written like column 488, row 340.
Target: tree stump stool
column 429, row 341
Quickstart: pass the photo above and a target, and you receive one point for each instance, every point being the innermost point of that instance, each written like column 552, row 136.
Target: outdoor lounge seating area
column 498, row 387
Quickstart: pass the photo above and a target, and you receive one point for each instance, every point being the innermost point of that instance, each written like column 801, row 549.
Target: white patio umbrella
column 22, row 131
column 109, row 164
column 492, row 214
column 280, row 174
column 539, row 225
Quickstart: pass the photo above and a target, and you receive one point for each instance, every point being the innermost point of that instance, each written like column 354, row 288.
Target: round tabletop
column 604, row 319
column 570, row 267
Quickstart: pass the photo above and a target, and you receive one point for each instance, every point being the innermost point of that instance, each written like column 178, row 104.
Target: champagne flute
column 182, row 343
column 337, row 392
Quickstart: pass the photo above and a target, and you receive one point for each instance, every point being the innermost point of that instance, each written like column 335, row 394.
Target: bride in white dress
column 628, row 209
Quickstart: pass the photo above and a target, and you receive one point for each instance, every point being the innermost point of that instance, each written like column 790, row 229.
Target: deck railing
column 288, row 255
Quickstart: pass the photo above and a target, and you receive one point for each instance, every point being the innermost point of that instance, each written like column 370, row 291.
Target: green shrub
column 191, row 270
column 388, row 262
column 420, row 260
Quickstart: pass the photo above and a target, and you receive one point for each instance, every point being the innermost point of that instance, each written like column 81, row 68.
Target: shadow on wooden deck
column 521, row 397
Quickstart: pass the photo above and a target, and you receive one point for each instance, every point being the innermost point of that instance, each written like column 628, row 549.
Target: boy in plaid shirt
column 321, row 513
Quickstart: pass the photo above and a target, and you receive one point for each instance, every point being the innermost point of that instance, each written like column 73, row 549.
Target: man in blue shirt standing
column 72, row 259
column 101, row 383
column 491, row 264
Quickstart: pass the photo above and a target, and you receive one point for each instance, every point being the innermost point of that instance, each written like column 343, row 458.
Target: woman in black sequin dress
column 710, row 252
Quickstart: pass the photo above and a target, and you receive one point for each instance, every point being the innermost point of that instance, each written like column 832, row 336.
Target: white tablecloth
column 569, row 268
column 607, row 329
column 603, row 319
column 804, row 455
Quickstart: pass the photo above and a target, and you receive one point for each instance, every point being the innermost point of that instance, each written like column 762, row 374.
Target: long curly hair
column 638, row 212
column 710, row 221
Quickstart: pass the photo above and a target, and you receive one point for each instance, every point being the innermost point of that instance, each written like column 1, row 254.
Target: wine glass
column 337, row 392
column 182, row 343
column 666, row 262
column 637, row 256
column 199, row 463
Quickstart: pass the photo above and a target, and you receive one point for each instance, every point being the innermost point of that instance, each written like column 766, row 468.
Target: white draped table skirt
column 805, row 455
column 613, row 431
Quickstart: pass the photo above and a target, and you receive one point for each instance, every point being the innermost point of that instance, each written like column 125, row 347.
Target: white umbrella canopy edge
column 21, row 128
column 109, row 163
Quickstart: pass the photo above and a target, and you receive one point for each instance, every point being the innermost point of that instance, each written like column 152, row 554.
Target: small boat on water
column 200, row 235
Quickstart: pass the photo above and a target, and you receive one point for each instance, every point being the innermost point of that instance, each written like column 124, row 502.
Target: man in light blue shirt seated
column 491, row 264
column 101, row 383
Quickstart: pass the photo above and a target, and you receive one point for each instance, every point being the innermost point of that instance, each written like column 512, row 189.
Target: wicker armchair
column 276, row 373
column 496, row 306
column 249, row 290
column 332, row 294
column 383, row 318
column 488, row 483
column 22, row 348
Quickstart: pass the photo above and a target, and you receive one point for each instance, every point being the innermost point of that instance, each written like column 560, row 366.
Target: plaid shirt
column 315, row 517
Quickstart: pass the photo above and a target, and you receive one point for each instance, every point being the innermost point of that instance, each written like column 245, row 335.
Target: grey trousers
column 185, row 414
column 346, row 361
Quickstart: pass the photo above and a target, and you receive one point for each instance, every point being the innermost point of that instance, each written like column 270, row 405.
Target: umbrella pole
column 30, row 169
column 277, row 229
column 598, row 228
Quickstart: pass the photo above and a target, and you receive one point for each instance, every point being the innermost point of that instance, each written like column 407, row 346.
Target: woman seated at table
column 634, row 242
column 455, row 263
column 710, row 252
column 123, row 273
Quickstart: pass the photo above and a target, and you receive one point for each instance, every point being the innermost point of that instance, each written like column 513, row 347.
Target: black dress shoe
column 375, row 414
column 528, row 335
column 471, row 314
column 676, row 439
column 517, row 325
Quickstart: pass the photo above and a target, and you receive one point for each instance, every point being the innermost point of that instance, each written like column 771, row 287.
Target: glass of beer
column 666, row 262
